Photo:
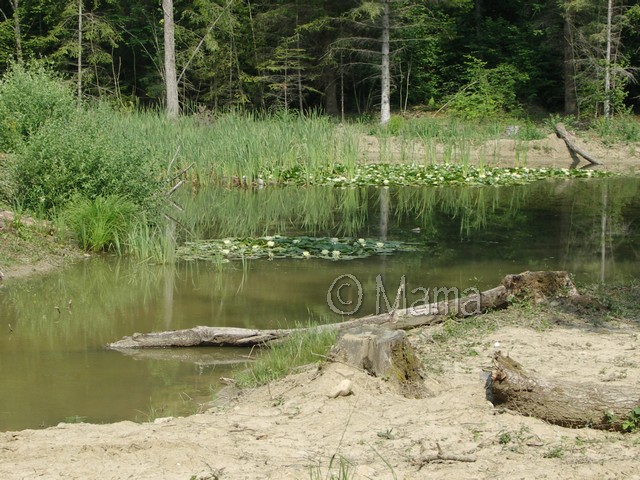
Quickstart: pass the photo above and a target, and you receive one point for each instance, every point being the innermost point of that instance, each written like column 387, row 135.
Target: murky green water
column 53, row 366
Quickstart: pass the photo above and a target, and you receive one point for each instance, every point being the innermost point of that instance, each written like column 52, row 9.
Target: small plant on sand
column 341, row 471
column 632, row 423
column 299, row 348
column 555, row 452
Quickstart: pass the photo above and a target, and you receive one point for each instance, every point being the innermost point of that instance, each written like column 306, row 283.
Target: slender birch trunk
column 607, row 67
column 170, row 77
column 385, row 103
column 80, row 13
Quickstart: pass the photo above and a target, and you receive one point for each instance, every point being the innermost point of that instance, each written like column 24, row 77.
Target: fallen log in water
column 573, row 148
column 568, row 404
column 536, row 285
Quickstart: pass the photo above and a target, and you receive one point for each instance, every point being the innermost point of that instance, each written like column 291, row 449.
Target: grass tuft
column 300, row 348
column 101, row 224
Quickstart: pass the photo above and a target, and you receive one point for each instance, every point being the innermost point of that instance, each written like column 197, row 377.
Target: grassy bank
column 105, row 173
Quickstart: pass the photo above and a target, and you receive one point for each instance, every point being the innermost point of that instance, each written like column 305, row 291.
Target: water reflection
column 53, row 365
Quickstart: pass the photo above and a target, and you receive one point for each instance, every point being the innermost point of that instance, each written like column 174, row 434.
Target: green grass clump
column 620, row 129
column 300, row 348
column 101, row 224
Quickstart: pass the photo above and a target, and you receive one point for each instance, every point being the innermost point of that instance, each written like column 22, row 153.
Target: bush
column 29, row 97
column 103, row 223
column 88, row 155
column 7, row 185
column 489, row 91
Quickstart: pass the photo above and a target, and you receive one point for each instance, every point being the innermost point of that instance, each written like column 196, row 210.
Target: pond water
column 53, row 329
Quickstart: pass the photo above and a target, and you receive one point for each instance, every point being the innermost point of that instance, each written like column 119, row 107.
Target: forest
column 343, row 58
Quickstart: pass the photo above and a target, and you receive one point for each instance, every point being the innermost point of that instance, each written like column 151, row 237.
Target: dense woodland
column 470, row 56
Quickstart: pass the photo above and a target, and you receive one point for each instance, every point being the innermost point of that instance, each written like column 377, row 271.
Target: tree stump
column 383, row 353
column 540, row 286
column 567, row 404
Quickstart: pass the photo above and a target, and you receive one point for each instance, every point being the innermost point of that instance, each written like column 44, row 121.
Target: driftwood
column 573, row 148
column 567, row 404
column 536, row 285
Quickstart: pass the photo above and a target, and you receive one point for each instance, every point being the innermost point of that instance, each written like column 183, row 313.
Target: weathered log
column 537, row 285
column 200, row 336
column 567, row 404
column 382, row 352
column 573, row 148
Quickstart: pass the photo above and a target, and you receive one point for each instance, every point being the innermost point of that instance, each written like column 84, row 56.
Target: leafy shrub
column 101, row 223
column 7, row 184
column 29, row 97
column 88, row 155
column 488, row 91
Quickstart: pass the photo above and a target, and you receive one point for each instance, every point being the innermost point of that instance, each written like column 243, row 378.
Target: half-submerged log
column 200, row 337
column 573, row 148
column 383, row 353
column 564, row 403
column 536, row 285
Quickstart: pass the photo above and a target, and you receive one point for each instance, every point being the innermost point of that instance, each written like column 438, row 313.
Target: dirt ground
column 28, row 247
column 548, row 152
column 292, row 429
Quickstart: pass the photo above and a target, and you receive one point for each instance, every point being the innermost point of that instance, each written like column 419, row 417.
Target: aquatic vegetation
column 382, row 174
column 278, row 246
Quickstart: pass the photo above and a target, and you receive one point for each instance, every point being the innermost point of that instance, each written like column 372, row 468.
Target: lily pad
column 279, row 246
column 430, row 175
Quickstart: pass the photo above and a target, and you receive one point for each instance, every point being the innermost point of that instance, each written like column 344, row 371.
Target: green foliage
column 89, row 154
column 555, row 452
column 299, row 348
column 7, row 179
column 102, row 223
column 632, row 423
column 489, row 91
column 30, row 96
column 619, row 129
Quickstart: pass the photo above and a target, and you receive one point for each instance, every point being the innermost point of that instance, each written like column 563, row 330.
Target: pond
column 53, row 328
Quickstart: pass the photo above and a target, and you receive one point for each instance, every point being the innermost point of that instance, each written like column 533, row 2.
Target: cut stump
column 382, row 353
column 568, row 404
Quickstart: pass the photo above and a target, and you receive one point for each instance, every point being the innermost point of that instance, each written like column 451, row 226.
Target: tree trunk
column 538, row 286
column 567, row 404
column 385, row 102
column 477, row 16
column 170, row 77
column 607, row 66
column 573, row 148
column 330, row 92
column 570, row 99
column 79, row 53
column 15, row 4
